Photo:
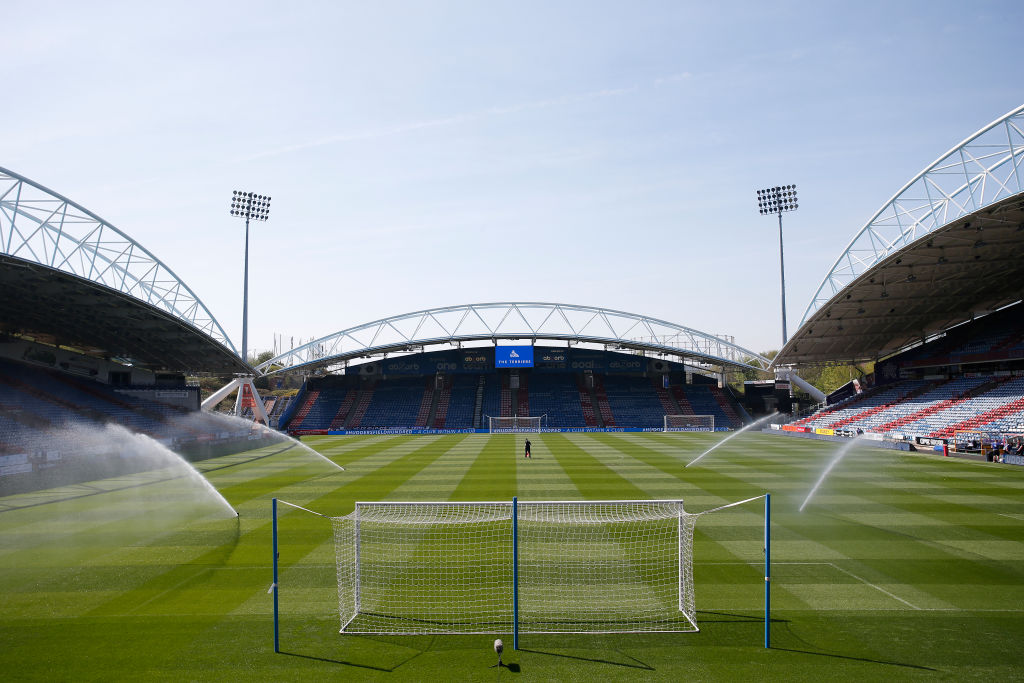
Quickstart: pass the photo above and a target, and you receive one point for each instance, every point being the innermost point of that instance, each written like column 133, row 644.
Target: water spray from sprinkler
column 732, row 436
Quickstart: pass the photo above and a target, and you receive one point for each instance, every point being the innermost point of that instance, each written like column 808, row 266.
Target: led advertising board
column 513, row 356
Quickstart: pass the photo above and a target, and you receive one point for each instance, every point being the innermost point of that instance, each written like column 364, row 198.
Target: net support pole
column 277, row 630
column 767, row 569
column 515, row 572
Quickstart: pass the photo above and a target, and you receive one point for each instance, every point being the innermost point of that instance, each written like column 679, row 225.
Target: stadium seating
column 1000, row 409
column 366, row 392
column 491, row 401
column 523, row 396
column 933, row 408
column 862, row 406
column 586, row 404
column 423, row 414
column 557, row 396
column 603, row 409
column 462, row 402
column 394, row 404
column 703, row 401
column 633, row 401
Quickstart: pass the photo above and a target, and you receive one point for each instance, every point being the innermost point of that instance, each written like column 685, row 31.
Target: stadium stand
column 299, row 418
column 523, row 396
column 633, row 401
column 343, row 409
column 423, row 414
column 603, row 409
column 703, row 401
column 490, row 400
column 587, row 404
column 462, row 402
column 465, row 399
column 394, row 404
column 366, row 393
column 969, row 379
column 558, row 397
column 678, row 393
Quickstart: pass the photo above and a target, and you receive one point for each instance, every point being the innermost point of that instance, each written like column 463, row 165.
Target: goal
column 505, row 425
column 527, row 567
column 689, row 423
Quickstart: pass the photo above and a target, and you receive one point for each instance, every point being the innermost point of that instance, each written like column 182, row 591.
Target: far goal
column 506, row 425
column 689, row 423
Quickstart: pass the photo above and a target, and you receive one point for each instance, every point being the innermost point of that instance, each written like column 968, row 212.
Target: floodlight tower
column 776, row 200
column 250, row 206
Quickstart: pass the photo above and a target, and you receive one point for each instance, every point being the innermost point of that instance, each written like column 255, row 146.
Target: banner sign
column 247, row 398
column 513, row 356
column 419, row 430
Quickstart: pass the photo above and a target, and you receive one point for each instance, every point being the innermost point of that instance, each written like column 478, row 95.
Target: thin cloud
column 401, row 129
column 674, row 78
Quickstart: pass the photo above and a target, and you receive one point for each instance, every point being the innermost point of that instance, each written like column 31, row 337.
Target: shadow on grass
column 416, row 652
column 730, row 618
column 340, row 661
column 633, row 664
column 854, row 659
column 833, row 655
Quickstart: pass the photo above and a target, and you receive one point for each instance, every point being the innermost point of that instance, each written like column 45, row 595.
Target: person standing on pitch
column 527, row 454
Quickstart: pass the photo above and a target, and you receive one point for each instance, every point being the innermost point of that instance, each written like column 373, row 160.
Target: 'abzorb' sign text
column 513, row 356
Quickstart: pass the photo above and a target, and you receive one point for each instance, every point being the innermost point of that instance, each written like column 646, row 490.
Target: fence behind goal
column 531, row 567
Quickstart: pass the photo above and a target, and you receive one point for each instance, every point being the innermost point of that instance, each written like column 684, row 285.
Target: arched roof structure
column 980, row 171
column 57, row 257
column 513, row 321
column 946, row 247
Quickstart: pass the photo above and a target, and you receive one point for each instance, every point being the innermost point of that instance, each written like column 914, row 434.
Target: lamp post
column 250, row 206
column 776, row 200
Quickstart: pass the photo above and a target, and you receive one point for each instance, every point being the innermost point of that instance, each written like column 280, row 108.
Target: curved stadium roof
column 530, row 321
column 70, row 278
column 946, row 248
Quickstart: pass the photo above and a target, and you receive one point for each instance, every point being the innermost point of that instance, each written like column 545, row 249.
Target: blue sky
column 425, row 154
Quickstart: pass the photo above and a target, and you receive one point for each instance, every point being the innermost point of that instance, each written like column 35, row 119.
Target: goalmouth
column 510, row 425
column 689, row 423
column 610, row 566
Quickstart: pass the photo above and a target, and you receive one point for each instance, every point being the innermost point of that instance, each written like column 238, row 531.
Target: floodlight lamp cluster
column 777, row 199
column 249, row 205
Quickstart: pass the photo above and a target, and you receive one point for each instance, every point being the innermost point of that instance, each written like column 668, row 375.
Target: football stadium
column 556, row 491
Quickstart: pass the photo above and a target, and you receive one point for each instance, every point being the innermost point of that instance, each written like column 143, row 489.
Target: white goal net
column 505, row 425
column 571, row 567
column 689, row 423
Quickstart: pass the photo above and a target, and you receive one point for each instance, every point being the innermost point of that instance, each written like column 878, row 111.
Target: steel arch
column 513, row 320
column 980, row 171
column 41, row 226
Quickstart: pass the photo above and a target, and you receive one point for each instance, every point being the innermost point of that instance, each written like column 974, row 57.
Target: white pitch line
column 1017, row 517
column 879, row 588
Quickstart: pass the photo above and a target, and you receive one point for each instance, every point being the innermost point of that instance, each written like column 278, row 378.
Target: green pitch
column 902, row 567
